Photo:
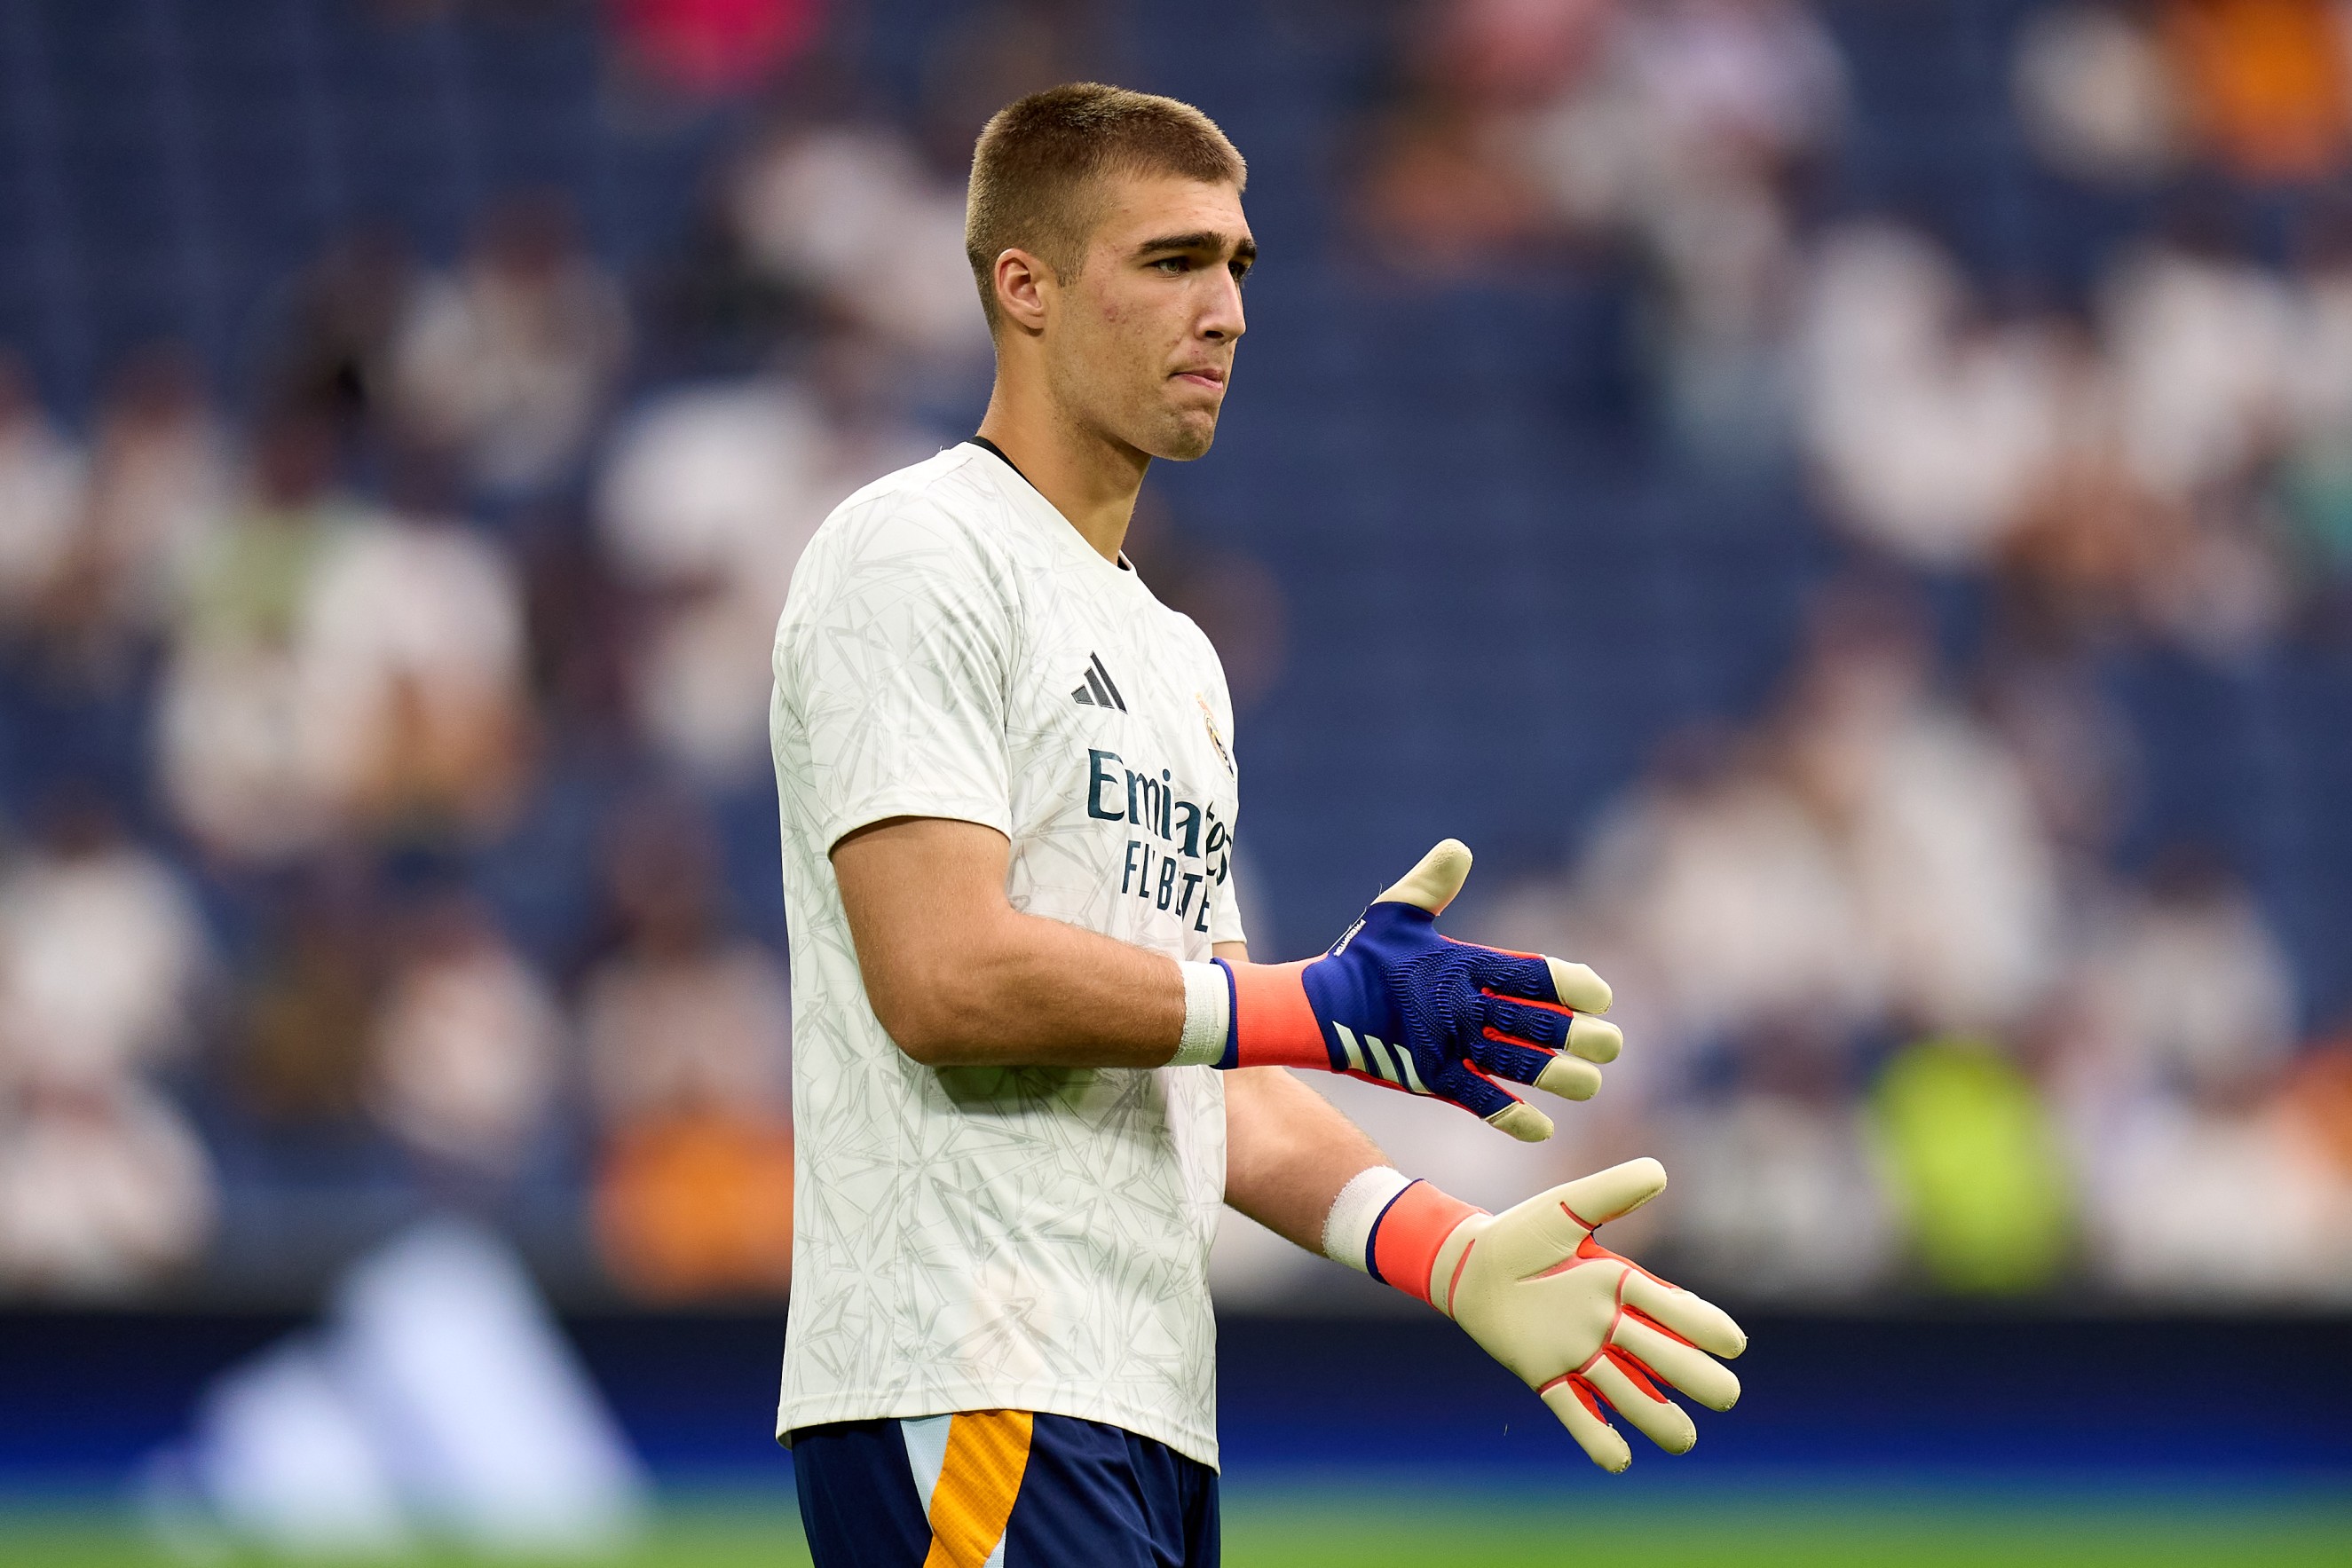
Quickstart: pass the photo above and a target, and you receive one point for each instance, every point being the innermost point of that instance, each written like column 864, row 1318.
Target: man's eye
column 1174, row 264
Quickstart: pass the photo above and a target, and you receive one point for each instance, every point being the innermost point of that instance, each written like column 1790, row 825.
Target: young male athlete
column 1032, row 1057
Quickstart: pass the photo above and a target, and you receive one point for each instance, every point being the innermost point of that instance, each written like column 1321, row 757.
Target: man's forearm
column 960, row 978
column 1288, row 1152
column 1037, row 993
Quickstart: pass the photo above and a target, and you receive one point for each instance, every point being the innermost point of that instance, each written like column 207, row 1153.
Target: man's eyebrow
column 1201, row 239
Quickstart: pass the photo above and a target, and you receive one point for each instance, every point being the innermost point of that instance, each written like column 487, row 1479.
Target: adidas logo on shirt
column 1098, row 691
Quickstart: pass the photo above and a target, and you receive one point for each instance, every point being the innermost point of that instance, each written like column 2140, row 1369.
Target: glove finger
column 1594, row 1040
column 1678, row 1362
column 1676, row 1310
column 1525, row 1044
column 1549, row 1071
column 1492, row 1103
column 1569, row 1078
column 1537, row 978
column 1596, row 1200
column 1621, row 1381
column 1580, row 1410
column 1433, row 884
column 1555, row 1029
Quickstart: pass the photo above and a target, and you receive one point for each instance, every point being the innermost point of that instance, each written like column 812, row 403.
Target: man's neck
column 1091, row 479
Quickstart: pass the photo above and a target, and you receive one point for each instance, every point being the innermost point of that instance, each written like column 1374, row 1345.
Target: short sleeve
column 891, row 660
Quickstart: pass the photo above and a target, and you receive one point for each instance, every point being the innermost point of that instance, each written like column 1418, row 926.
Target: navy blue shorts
column 1001, row 1488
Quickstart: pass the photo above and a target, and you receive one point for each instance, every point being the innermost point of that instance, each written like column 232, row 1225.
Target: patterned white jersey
column 971, row 1238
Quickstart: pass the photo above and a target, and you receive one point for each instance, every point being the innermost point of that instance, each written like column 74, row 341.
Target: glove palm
column 1583, row 1327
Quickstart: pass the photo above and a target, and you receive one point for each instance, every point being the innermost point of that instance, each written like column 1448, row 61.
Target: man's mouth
column 1204, row 376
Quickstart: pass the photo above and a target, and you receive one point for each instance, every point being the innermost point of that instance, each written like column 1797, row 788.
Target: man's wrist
column 1208, row 1016
column 1347, row 1227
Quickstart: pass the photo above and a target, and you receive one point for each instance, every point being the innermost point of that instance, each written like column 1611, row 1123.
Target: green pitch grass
column 1298, row 1527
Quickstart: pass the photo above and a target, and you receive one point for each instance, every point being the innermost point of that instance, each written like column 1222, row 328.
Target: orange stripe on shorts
column 988, row 1452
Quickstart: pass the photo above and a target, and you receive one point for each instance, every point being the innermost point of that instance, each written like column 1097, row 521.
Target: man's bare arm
column 1289, row 1151
column 960, row 978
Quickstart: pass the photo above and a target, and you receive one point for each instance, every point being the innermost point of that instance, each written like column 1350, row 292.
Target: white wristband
column 1348, row 1228
column 1208, row 1016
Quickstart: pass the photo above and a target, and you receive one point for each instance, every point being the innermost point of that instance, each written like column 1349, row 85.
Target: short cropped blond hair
column 1035, row 170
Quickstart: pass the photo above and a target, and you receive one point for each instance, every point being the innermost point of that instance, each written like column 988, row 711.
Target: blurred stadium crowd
column 386, row 819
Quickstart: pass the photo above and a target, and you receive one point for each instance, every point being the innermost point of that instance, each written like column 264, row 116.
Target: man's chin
column 1186, row 439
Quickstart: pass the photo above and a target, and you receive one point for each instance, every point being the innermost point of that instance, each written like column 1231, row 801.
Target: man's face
column 1141, row 345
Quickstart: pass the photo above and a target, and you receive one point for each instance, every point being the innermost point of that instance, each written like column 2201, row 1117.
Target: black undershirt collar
column 985, row 444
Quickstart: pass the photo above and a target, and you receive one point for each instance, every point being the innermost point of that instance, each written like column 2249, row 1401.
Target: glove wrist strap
column 1411, row 1239
column 1273, row 1023
column 1208, row 1016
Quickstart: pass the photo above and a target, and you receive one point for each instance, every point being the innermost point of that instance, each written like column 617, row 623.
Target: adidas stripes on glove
column 1588, row 1330
column 1394, row 1003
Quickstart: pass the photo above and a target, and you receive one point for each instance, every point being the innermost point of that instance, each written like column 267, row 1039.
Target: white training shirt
column 969, row 1239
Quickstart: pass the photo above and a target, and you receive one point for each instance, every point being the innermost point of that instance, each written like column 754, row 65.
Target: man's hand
column 1394, row 1003
column 1584, row 1328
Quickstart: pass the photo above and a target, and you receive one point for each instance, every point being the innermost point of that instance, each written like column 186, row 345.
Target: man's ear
column 1023, row 282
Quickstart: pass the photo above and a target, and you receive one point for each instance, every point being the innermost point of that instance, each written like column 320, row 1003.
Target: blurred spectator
column 1955, row 882
column 2097, row 92
column 160, row 480
column 2192, row 986
column 103, row 1189
column 101, row 953
column 850, row 213
column 465, row 1050
column 2318, row 1105
column 1976, row 1167
column 1778, row 1194
column 2200, row 338
column 411, row 655
column 1740, row 900
column 507, row 362
column 102, row 1185
column 302, row 1053
column 41, row 476
column 332, row 353
column 1686, row 128
column 2316, row 479
column 2265, row 83
column 237, row 767
column 1442, row 193
column 1929, row 428
column 1675, row 125
column 2195, row 1021
column 712, row 48
column 687, row 1033
column 710, row 497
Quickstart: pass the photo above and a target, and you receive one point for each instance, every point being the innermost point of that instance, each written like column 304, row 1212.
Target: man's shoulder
column 933, row 531
column 948, row 501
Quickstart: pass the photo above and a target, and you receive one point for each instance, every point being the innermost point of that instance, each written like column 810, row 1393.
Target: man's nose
column 1224, row 322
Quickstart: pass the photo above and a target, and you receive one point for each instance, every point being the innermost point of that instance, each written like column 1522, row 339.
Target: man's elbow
column 922, row 1020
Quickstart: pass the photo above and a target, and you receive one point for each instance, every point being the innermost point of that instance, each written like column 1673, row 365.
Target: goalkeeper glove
column 1394, row 1003
column 1584, row 1328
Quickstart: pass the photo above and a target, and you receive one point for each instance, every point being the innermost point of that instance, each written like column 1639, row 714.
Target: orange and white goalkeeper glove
column 1584, row 1328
